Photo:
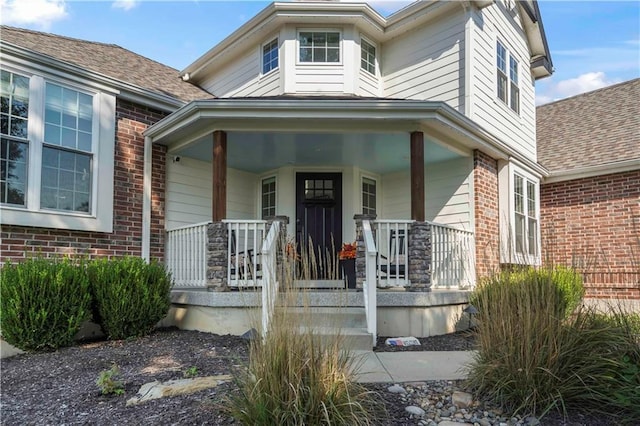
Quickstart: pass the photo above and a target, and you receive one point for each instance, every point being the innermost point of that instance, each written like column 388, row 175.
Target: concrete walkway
column 397, row 367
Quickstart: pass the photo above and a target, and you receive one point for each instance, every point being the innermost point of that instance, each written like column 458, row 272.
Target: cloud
column 41, row 13
column 125, row 5
column 574, row 86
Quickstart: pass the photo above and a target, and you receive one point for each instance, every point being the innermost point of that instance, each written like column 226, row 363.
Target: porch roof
column 196, row 121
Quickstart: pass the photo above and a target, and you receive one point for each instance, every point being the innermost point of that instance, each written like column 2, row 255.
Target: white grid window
column 367, row 57
column 268, row 197
column 508, row 90
column 66, row 154
column 526, row 219
column 270, row 56
column 368, row 196
column 319, row 46
column 14, row 149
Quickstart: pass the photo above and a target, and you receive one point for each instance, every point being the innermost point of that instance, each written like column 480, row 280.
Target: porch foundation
column 217, row 240
column 419, row 252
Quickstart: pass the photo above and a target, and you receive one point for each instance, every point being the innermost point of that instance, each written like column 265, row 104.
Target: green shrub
column 533, row 357
column 43, row 302
column 129, row 295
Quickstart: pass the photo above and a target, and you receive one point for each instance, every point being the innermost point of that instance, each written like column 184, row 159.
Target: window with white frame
column 367, row 57
column 67, row 154
column 14, row 155
column 270, row 56
column 268, row 197
column 525, row 198
column 507, row 78
column 54, row 135
column 368, row 196
column 319, row 46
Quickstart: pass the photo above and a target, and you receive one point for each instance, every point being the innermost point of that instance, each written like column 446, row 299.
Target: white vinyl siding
column 517, row 130
column 428, row 63
column 448, row 193
column 243, row 77
column 189, row 189
column 395, row 197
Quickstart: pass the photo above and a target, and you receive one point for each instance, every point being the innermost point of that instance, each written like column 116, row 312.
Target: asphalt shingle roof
column 107, row 59
column 591, row 129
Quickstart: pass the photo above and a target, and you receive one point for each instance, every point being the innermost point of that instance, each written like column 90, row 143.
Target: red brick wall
column 485, row 185
column 16, row 242
column 594, row 224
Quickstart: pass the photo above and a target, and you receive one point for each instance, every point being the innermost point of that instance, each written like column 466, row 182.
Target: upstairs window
column 270, row 56
column 14, row 149
column 319, row 46
column 507, row 79
column 367, row 57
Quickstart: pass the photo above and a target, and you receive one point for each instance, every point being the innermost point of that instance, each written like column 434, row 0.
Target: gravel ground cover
column 59, row 388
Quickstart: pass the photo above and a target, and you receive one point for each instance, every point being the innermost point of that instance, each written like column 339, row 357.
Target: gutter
column 591, row 171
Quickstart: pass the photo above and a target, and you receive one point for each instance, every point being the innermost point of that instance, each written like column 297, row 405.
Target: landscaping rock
column 396, row 389
column 462, row 399
column 415, row 411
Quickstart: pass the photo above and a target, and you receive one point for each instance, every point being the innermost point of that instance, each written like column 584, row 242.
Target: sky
column 593, row 43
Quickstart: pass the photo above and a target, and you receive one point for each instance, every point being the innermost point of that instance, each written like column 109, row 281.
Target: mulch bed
column 459, row 341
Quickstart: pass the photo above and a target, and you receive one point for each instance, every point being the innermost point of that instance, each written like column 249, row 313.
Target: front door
column 319, row 223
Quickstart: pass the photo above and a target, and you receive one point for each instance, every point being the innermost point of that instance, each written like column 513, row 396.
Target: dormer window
column 508, row 90
column 367, row 57
column 270, row 56
column 319, row 46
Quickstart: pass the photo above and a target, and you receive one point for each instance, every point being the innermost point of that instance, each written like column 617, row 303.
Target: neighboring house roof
column 107, row 59
column 591, row 134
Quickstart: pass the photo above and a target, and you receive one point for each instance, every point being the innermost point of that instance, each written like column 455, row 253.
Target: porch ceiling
column 258, row 152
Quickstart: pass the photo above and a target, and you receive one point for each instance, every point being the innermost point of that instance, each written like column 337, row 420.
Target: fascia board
column 46, row 64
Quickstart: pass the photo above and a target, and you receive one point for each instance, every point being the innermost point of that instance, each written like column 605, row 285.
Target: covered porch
column 395, row 177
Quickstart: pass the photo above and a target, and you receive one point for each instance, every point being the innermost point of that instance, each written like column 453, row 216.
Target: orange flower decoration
column 348, row 251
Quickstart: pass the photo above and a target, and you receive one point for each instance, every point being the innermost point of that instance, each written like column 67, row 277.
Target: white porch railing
column 452, row 257
column 370, row 280
column 186, row 255
column 270, row 284
column 392, row 241
column 244, row 268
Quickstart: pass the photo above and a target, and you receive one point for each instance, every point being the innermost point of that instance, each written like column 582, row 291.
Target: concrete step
column 335, row 317
column 353, row 339
column 349, row 322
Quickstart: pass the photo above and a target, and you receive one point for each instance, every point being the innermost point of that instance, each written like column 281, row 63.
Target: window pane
column 333, row 39
column 531, row 199
column 319, row 54
column 306, row 39
column 66, row 183
column 532, row 236
column 513, row 70
column 319, row 39
column 333, row 55
column 269, row 197
column 15, row 105
column 501, row 54
column 67, row 112
column 305, row 54
column 13, row 179
column 514, row 101
column 519, row 230
column 502, row 87
column 270, row 56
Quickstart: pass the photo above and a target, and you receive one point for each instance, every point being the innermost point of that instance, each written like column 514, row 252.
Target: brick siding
column 487, row 227
column 16, row 242
column 594, row 224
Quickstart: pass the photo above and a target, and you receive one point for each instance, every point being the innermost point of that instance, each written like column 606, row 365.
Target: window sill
column 57, row 220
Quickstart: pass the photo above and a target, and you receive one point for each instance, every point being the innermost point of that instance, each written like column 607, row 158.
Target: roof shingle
column 592, row 129
column 107, row 59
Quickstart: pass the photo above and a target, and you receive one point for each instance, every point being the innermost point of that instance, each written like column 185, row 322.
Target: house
column 590, row 201
column 413, row 134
